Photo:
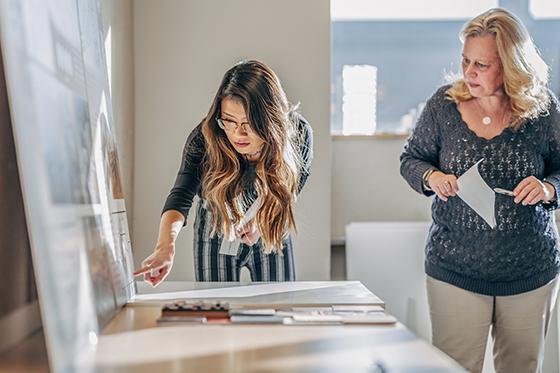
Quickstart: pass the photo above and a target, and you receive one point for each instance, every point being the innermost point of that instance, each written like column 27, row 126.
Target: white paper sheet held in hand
column 474, row 191
column 230, row 245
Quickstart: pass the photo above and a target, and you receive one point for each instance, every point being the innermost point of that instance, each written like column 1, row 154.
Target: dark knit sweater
column 521, row 253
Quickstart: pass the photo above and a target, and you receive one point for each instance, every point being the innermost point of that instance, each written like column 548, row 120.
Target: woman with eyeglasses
column 247, row 161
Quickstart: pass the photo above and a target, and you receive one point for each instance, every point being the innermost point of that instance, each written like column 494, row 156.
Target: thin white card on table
column 474, row 191
column 372, row 318
column 253, row 312
column 230, row 245
column 357, row 308
column 317, row 318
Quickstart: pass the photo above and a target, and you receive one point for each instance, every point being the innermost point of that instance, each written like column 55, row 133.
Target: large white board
column 56, row 76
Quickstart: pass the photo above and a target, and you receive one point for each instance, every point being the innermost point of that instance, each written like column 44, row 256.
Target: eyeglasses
column 230, row 125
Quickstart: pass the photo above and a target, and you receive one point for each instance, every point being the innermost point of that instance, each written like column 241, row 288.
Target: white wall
column 367, row 186
column 181, row 51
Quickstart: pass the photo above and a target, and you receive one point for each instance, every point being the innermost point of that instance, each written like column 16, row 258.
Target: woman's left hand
column 531, row 191
column 248, row 233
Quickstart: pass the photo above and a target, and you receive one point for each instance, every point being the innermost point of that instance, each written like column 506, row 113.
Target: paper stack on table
column 315, row 315
column 216, row 312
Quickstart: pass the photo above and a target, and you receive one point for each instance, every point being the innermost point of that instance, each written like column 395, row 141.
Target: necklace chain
column 486, row 119
column 253, row 155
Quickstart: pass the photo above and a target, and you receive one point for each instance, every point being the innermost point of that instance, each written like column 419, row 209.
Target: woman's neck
column 253, row 157
column 494, row 103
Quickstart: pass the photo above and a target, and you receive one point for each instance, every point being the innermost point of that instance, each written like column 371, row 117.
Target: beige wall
column 117, row 26
column 367, row 186
column 185, row 72
column 181, row 50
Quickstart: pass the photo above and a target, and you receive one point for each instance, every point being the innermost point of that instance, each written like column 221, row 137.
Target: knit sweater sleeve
column 187, row 183
column 421, row 151
column 552, row 162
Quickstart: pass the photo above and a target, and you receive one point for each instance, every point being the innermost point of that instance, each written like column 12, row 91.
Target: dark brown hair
column 270, row 116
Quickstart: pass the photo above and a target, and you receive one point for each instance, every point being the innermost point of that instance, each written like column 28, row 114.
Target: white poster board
column 61, row 114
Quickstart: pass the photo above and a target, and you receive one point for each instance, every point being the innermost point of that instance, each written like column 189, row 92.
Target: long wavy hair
column 272, row 118
column 524, row 71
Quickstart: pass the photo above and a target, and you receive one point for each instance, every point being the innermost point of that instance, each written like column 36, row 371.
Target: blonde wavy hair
column 271, row 117
column 524, row 71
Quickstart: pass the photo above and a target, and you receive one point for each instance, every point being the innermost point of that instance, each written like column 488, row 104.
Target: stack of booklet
column 216, row 312
column 195, row 312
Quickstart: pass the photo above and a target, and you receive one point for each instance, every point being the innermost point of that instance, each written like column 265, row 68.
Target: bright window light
column 545, row 9
column 359, row 87
column 108, row 50
column 356, row 10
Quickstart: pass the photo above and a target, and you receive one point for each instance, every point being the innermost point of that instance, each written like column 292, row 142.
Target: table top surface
column 133, row 341
column 145, row 347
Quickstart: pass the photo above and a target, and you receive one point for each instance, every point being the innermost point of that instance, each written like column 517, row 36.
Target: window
column 359, row 95
column 387, row 58
column 545, row 9
column 369, row 10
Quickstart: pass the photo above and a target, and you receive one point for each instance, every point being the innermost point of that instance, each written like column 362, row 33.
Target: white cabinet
column 388, row 258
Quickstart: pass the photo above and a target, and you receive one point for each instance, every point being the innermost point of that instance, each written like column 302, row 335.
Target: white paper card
column 357, row 308
column 252, row 290
column 474, row 191
column 372, row 318
column 230, row 245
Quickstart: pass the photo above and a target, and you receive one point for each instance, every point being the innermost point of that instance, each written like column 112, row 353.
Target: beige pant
column 461, row 321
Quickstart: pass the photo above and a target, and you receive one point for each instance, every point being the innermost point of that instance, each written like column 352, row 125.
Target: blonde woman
column 247, row 161
column 482, row 279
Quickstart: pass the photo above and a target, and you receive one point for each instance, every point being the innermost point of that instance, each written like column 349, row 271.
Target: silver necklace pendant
column 486, row 120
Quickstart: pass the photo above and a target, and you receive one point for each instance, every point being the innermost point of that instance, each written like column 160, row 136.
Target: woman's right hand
column 157, row 266
column 248, row 233
column 443, row 185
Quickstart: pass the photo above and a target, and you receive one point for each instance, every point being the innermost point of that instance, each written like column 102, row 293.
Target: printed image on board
column 64, row 125
column 60, row 107
column 99, row 256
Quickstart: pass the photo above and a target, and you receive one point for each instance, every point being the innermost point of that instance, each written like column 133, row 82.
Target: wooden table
column 132, row 341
